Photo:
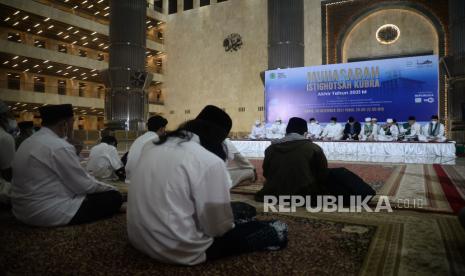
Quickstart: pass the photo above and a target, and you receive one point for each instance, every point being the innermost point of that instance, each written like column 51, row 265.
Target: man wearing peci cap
column 411, row 129
column 179, row 208
column 156, row 127
column 294, row 165
column 369, row 130
column 49, row 187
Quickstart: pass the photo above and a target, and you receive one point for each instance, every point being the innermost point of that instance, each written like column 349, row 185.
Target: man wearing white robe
column 314, row 129
column 239, row 167
column 258, row 131
column 410, row 130
column 369, row 130
column 333, row 131
column 433, row 131
column 156, row 126
column 49, row 187
column 104, row 162
column 277, row 130
column 389, row 132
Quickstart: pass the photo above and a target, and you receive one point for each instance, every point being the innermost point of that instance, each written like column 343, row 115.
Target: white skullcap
column 374, row 119
column 389, row 120
column 367, row 119
column 3, row 107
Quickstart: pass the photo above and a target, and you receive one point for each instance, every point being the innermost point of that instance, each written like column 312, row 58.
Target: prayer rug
column 316, row 247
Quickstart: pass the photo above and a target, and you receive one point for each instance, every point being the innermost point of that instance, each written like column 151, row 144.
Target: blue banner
column 389, row 88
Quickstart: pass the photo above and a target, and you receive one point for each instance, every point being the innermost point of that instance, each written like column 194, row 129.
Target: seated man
column 7, row 151
column 314, row 129
column 410, row 130
column 276, row 130
column 26, row 129
column 49, row 187
column 156, row 126
column 179, row 208
column 352, row 129
column 433, row 131
column 294, row 165
column 389, row 132
column 369, row 130
column 332, row 131
column 258, row 131
column 239, row 168
column 104, row 162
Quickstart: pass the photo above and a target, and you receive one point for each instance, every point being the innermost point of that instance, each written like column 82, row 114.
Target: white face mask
column 312, row 123
column 333, row 122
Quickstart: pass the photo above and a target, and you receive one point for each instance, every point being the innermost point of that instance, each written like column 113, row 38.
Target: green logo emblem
column 273, row 76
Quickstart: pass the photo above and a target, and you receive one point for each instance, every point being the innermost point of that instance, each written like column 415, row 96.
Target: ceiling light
column 105, row 47
column 46, row 19
column 90, row 7
column 49, row 27
column 101, row 44
column 100, row 1
column 97, row 12
column 16, row 12
column 149, row 26
column 65, row 74
column 16, row 23
column 36, row 25
column 26, row 17
column 28, row 29
column 66, row 36
column 75, row 7
column 24, row 104
column 59, row 71
column 69, row 28
column 39, row 32
column 74, row 42
column 95, row 39
column 75, row 32
column 59, row 33
column 73, row 78
column 6, row 19
column 106, row 8
column 93, row 75
column 84, row 2
column 15, row 57
column 93, row 70
column 24, row 60
column 37, row 65
column 84, row 44
column 66, row 1
column 69, row 67
column 46, row 61
column 16, row 65
column 106, row 14
column 147, row 22
column 50, row 66
column 6, row 62
column 83, row 74
column 26, row 70
column 84, row 37
column 76, row 69
column 84, row 78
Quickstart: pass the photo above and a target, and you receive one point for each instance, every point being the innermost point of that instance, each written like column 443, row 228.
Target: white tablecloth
column 392, row 152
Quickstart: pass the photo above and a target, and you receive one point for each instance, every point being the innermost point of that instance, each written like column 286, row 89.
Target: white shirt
column 7, row 153
column 136, row 149
column 440, row 133
column 314, row 130
column 374, row 131
column 393, row 129
column 178, row 201
column 104, row 161
column 333, row 131
column 49, row 183
column 415, row 130
column 258, row 132
column 276, row 131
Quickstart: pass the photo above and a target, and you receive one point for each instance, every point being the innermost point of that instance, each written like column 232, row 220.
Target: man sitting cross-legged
column 49, row 187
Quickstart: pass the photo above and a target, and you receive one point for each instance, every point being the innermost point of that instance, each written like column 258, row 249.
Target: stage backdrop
column 388, row 88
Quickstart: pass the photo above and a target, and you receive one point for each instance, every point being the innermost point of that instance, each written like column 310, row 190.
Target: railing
column 88, row 92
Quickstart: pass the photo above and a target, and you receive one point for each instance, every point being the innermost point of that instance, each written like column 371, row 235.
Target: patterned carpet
column 316, row 247
column 432, row 188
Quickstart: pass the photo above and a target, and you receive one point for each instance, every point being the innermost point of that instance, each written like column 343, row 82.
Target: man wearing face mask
column 314, row 129
column 277, row 130
column 49, row 187
column 333, row 131
column 258, row 131
column 433, row 131
column 7, row 151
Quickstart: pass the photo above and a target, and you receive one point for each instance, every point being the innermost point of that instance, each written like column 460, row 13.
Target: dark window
column 204, row 2
column 62, row 87
column 82, row 89
column 62, row 48
column 241, row 109
column 39, row 43
column 188, row 4
column 172, row 6
column 39, row 84
column 82, row 53
column 13, row 81
column 221, row 1
column 100, row 57
column 158, row 5
column 15, row 37
column 101, row 91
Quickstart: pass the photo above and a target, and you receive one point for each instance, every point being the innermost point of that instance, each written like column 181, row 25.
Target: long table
column 390, row 152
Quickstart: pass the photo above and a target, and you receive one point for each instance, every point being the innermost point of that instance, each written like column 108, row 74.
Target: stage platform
column 380, row 152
